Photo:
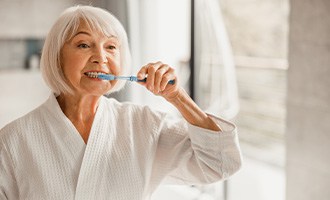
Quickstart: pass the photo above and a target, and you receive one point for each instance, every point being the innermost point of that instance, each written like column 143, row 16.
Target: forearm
column 191, row 112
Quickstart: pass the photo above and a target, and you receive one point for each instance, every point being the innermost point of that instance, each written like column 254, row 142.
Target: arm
column 193, row 152
column 191, row 112
column 188, row 154
column 158, row 76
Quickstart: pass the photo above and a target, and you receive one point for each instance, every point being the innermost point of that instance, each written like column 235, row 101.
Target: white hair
column 65, row 28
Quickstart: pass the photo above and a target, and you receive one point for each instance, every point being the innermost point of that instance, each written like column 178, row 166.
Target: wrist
column 177, row 97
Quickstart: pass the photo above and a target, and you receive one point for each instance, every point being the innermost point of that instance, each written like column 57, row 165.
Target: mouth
column 93, row 74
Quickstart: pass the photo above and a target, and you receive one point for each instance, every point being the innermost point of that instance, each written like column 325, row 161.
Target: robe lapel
column 67, row 131
column 94, row 157
column 71, row 143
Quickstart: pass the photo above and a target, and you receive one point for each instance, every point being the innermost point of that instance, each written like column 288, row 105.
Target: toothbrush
column 111, row 77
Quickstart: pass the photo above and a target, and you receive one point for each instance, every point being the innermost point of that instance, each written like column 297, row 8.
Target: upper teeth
column 93, row 74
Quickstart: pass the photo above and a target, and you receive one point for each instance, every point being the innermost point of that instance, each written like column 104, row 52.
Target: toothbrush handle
column 134, row 78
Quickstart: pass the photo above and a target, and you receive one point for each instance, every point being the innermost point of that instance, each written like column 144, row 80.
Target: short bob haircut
column 65, row 28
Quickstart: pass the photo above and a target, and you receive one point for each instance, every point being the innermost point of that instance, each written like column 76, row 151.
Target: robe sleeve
column 8, row 189
column 187, row 154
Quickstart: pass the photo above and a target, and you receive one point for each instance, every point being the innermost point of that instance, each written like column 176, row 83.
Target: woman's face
column 89, row 52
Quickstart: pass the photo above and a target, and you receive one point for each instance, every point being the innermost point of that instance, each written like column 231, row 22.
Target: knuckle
column 159, row 73
column 167, row 76
column 152, row 68
column 144, row 67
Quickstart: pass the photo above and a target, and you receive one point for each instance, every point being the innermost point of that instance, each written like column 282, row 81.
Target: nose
column 99, row 56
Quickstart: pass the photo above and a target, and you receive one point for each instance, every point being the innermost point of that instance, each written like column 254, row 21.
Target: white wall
column 20, row 92
column 308, row 118
column 29, row 18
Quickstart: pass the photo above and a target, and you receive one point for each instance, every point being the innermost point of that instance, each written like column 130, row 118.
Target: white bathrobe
column 130, row 151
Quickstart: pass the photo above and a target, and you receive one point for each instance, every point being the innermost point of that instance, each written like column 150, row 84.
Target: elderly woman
column 82, row 145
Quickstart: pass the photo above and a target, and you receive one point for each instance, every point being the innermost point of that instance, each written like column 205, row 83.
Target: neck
column 77, row 107
column 80, row 110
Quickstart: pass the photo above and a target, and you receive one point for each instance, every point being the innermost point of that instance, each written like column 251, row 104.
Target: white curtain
column 216, row 87
column 159, row 31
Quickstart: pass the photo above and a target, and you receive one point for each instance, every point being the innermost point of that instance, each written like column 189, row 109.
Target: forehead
column 94, row 29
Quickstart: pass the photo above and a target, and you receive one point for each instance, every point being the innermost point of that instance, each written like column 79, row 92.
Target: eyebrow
column 82, row 32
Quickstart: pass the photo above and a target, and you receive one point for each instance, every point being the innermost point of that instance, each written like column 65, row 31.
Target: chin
column 101, row 92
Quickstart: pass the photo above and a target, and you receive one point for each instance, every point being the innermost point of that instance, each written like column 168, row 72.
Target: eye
column 83, row 46
column 112, row 47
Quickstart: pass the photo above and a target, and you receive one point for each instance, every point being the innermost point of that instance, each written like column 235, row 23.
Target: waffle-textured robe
column 130, row 151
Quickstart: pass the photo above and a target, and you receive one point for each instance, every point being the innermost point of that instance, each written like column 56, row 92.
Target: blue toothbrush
column 111, row 77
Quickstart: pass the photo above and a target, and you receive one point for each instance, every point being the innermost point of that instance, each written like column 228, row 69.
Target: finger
column 159, row 76
column 151, row 70
column 142, row 72
column 170, row 75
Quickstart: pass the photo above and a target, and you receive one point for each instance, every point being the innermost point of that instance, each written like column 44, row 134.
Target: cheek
column 71, row 72
column 72, row 65
column 117, row 70
column 120, row 67
column 115, row 66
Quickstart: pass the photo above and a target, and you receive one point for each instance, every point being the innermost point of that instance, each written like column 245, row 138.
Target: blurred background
column 263, row 64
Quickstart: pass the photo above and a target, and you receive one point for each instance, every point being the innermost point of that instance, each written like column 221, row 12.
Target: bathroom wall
column 24, row 24
column 308, row 117
column 32, row 18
